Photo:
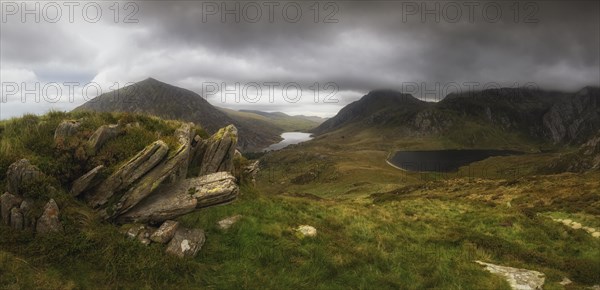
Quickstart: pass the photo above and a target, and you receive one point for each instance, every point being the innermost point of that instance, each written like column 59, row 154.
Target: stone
column 589, row 229
column 65, row 129
column 226, row 223
column 21, row 174
column 567, row 222
column 165, row 232
column 86, row 181
column 596, row 234
column 576, row 226
column 186, row 242
column 219, row 152
column 16, row 219
column 173, row 169
column 213, row 189
column 7, row 203
column 28, row 220
column 49, row 221
column 251, row 171
column 306, row 231
column 521, row 279
column 565, row 281
column 134, row 231
column 169, row 201
column 101, row 136
column 144, row 235
column 128, row 173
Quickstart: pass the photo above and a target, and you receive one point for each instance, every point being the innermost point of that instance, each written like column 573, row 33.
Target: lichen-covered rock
column 306, row 231
column 127, row 174
column 521, row 279
column 213, row 189
column 219, row 152
column 7, row 203
column 134, row 230
column 165, row 232
column 186, row 242
column 86, row 181
column 172, row 169
column 16, row 219
column 101, row 136
column 65, row 129
column 169, row 201
column 20, row 175
column 49, row 222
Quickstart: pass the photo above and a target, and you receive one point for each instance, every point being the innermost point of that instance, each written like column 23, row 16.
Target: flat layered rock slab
column 519, row 279
column 159, row 207
column 171, row 200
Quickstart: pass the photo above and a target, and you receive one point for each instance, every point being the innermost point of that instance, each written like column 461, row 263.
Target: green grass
column 378, row 227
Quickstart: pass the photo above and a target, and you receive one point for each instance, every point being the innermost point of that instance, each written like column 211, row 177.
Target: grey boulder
column 65, row 129
column 7, row 203
column 186, row 242
column 49, row 222
column 165, row 232
column 21, row 174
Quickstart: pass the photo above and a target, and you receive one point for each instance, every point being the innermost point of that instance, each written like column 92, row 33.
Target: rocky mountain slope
column 174, row 175
column 160, row 99
column 543, row 116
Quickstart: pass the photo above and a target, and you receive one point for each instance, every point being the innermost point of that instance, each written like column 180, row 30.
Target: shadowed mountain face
column 377, row 108
column 153, row 97
column 546, row 116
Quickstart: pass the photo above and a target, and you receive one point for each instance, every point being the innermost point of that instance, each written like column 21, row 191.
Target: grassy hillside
column 284, row 122
column 378, row 227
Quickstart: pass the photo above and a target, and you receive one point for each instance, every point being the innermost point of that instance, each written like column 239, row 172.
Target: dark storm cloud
column 370, row 45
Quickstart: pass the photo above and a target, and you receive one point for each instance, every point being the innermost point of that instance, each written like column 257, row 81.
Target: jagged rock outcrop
column 586, row 158
column 172, row 200
column 519, row 279
column 186, row 242
column 87, row 181
column 101, row 136
column 7, row 203
column 173, row 169
column 65, row 129
column 20, row 175
column 574, row 118
column 49, row 222
column 219, row 152
column 130, row 172
column 251, row 171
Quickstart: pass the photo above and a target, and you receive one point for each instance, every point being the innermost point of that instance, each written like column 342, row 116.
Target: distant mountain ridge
column 154, row 97
column 549, row 116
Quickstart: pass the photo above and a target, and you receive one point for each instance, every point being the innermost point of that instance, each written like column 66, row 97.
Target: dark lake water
column 289, row 138
column 442, row 160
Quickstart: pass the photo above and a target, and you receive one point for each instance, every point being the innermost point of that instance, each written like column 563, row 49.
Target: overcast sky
column 348, row 48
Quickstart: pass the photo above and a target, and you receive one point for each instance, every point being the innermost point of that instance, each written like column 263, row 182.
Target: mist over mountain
column 548, row 116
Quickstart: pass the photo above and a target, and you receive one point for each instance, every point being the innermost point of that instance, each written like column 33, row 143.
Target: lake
column 442, row 160
column 289, row 138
